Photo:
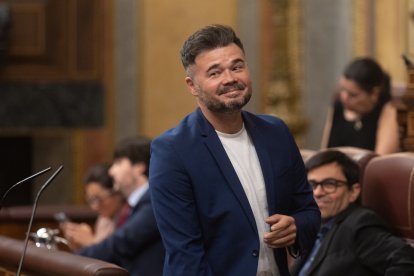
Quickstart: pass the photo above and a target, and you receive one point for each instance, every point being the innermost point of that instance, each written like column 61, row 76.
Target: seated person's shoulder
column 362, row 217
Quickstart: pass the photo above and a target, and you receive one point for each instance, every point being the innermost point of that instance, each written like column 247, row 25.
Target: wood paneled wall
column 54, row 40
column 60, row 42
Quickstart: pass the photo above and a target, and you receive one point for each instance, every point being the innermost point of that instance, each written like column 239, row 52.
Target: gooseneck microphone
column 20, row 182
column 32, row 216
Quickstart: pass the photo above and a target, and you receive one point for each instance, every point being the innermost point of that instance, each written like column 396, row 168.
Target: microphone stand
column 20, row 182
column 32, row 216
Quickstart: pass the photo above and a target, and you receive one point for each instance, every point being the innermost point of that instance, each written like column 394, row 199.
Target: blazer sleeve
column 305, row 211
column 378, row 249
column 302, row 204
column 175, row 212
column 139, row 231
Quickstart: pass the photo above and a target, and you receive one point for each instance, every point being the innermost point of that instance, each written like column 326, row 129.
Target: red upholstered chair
column 389, row 190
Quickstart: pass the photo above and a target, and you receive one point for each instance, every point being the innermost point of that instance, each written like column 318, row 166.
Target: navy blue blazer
column 136, row 245
column 203, row 214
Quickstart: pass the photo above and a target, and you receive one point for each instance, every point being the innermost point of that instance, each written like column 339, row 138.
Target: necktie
column 123, row 215
column 321, row 235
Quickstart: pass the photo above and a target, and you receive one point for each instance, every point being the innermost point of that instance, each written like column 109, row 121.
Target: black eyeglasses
column 329, row 185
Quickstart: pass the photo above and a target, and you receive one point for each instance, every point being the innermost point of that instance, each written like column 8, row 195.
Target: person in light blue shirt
column 136, row 245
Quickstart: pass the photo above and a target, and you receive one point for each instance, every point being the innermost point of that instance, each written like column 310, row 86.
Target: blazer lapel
column 142, row 201
column 324, row 248
column 259, row 143
column 326, row 243
column 218, row 152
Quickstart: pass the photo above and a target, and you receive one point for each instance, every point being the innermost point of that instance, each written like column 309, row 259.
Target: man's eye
column 238, row 67
column 313, row 184
column 213, row 74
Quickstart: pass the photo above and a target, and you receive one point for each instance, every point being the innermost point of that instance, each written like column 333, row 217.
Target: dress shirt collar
column 136, row 195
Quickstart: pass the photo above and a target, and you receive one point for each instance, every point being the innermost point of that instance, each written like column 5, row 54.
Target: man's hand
column 282, row 231
column 78, row 234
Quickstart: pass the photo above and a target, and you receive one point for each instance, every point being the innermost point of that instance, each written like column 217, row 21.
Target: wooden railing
column 14, row 220
column 45, row 262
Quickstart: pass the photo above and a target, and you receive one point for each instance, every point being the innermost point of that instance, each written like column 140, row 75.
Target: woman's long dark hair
column 367, row 73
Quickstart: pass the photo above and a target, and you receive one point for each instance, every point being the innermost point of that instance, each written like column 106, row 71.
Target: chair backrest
column 359, row 155
column 389, row 190
column 306, row 154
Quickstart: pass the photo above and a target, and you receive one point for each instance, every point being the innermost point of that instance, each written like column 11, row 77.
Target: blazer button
column 255, row 253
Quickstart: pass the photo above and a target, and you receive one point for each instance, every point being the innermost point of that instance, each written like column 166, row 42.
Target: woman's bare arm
column 388, row 140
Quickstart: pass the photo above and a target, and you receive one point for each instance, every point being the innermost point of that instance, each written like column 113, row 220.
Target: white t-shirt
column 243, row 156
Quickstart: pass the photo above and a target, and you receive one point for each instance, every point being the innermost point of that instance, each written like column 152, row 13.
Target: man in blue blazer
column 136, row 245
column 229, row 188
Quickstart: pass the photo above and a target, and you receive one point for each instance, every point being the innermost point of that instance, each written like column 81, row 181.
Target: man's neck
column 224, row 122
column 140, row 182
column 137, row 194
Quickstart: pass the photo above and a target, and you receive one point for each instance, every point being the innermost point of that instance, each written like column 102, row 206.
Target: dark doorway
column 15, row 165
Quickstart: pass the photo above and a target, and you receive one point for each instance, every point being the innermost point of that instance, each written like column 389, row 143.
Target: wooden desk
column 15, row 220
column 44, row 262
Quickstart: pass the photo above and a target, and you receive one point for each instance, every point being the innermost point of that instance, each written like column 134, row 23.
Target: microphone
column 32, row 216
column 20, row 182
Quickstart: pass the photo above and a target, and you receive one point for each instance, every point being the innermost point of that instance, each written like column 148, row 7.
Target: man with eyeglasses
column 352, row 240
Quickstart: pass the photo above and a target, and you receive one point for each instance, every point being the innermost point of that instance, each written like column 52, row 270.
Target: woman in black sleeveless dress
column 362, row 114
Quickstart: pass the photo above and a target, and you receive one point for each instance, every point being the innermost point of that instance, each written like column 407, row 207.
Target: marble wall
column 327, row 46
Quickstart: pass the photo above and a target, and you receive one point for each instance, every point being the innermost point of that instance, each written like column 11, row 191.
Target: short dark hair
column 367, row 73
column 207, row 38
column 136, row 149
column 349, row 167
column 100, row 174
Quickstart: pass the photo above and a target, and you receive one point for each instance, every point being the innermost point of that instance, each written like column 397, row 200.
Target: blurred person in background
column 101, row 197
column 362, row 114
column 136, row 245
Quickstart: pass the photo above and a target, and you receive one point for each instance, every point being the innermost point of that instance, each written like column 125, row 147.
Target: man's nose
column 229, row 76
column 318, row 191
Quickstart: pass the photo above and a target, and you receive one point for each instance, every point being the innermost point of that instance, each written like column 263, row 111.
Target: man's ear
column 191, row 86
column 355, row 192
column 139, row 168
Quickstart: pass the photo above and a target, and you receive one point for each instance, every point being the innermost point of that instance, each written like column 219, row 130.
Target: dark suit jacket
column 203, row 214
column 359, row 243
column 136, row 245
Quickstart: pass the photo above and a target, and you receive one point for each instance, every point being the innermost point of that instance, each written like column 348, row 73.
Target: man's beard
column 224, row 107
